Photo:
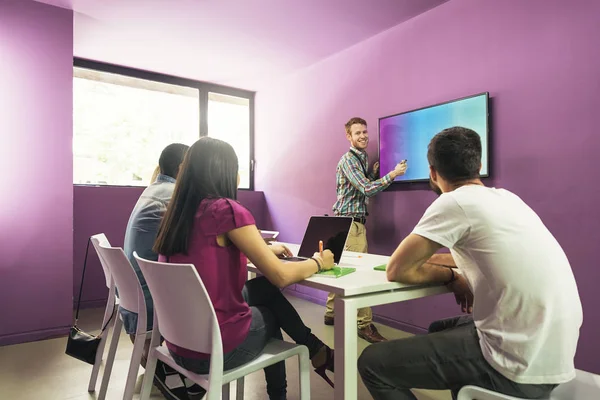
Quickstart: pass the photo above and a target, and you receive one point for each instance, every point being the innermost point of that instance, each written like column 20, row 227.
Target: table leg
column 345, row 344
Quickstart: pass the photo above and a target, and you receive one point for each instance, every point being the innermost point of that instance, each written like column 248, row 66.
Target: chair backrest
column 97, row 239
column 476, row 393
column 586, row 385
column 123, row 274
column 184, row 312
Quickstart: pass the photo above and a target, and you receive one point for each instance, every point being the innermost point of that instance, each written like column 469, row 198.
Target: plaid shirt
column 354, row 187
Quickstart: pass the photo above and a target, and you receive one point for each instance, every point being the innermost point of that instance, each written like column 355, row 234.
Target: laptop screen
column 333, row 231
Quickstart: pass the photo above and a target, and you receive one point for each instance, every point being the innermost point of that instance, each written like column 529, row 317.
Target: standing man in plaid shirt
column 354, row 187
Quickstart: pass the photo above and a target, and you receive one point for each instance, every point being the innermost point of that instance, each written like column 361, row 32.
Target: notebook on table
column 333, row 231
column 335, row 272
column 380, row 267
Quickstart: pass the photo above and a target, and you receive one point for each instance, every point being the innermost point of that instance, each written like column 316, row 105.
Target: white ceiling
column 241, row 43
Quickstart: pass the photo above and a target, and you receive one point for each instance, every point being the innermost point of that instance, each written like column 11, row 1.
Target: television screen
column 405, row 136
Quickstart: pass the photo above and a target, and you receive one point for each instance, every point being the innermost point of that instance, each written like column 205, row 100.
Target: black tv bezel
column 487, row 132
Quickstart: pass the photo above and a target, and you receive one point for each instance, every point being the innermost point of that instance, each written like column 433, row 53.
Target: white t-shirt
column 526, row 304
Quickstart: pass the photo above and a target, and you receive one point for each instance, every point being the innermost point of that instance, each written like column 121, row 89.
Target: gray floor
column 41, row 370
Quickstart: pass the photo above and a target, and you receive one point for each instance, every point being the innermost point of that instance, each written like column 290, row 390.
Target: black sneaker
column 163, row 371
column 195, row 392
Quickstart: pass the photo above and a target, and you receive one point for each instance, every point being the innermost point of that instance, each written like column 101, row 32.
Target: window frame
column 204, row 88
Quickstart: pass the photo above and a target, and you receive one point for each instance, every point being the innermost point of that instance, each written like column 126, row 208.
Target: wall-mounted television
column 405, row 136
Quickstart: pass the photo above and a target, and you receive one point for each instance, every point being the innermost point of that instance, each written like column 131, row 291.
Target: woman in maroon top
column 206, row 226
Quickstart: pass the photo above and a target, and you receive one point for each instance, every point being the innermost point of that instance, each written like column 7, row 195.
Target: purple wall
column 36, row 75
column 106, row 209
column 539, row 59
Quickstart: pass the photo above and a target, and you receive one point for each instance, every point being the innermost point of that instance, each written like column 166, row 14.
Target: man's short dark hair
column 171, row 158
column 455, row 154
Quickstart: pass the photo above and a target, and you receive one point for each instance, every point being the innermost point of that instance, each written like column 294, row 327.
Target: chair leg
column 239, row 389
column 148, row 376
column 110, row 306
column 304, row 374
column 114, row 342
column 225, row 391
column 134, row 365
column 150, row 366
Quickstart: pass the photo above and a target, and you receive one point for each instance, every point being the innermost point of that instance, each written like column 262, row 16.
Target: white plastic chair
column 184, row 315
column 131, row 298
column 585, row 386
column 111, row 303
column 477, row 393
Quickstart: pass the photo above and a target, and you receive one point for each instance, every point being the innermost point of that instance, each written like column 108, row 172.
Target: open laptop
column 333, row 231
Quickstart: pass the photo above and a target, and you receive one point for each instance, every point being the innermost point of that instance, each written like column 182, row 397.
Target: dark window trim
column 203, row 88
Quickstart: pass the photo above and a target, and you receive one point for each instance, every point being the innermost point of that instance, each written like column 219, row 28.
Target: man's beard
column 436, row 189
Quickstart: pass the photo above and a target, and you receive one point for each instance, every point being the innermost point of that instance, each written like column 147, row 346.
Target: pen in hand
column 321, row 248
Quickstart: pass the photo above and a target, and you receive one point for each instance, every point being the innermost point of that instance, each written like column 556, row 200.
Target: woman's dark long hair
column 209, row 170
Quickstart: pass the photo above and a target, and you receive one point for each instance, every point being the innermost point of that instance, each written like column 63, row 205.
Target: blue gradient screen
column 406, row 136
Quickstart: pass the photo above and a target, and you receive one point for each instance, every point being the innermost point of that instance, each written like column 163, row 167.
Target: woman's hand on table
column 326, row 259
column 280, row 250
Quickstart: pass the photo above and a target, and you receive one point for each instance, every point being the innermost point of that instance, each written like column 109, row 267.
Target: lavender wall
column 540, row 61
column 36, row 55
column 106, row 209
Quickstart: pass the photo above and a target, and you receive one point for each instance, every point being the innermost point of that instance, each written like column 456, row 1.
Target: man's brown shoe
column 328, row 320
column 370, row 334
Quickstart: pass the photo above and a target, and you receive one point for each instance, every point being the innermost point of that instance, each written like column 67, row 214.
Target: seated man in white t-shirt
column 514, row 278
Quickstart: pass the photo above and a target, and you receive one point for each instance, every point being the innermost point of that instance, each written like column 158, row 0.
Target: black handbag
column 81, row 345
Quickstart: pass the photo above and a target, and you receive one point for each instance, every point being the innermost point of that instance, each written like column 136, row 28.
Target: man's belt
column 360, row 220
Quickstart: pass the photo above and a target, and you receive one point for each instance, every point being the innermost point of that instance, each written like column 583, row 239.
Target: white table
column 363, row 288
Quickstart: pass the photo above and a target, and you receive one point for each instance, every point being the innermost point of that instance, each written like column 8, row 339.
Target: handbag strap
column 107, row 322
column 87, row 249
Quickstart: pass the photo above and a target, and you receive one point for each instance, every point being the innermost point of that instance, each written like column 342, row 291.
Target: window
column 229, row 120
column 121, row 124
column 123, row 118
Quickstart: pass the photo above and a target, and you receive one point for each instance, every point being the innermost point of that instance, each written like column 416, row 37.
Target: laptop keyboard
column 295, row 259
